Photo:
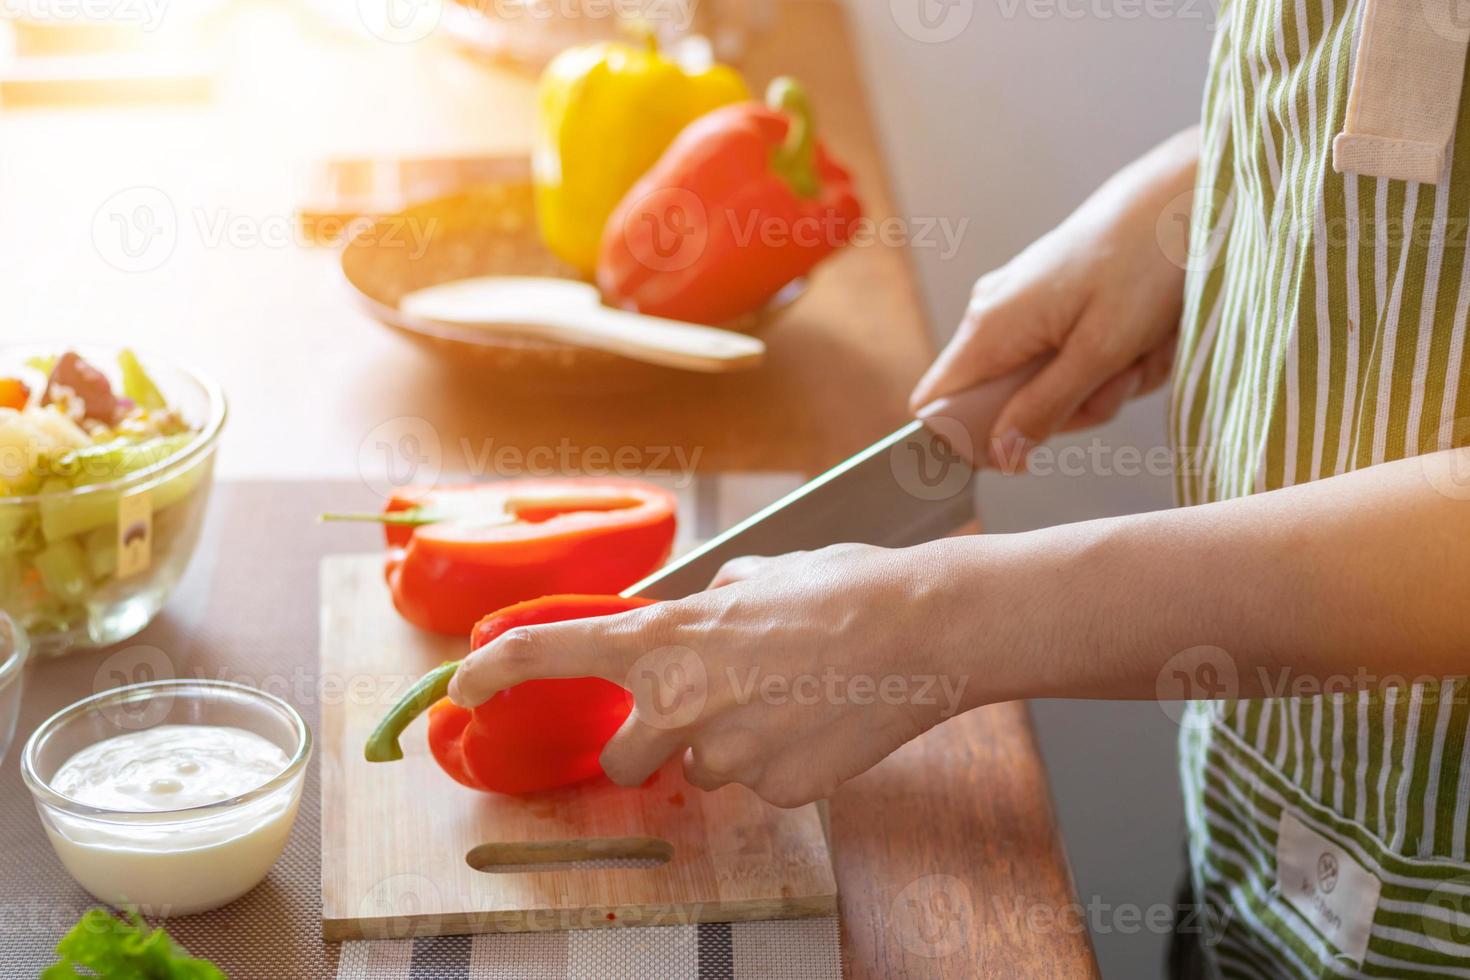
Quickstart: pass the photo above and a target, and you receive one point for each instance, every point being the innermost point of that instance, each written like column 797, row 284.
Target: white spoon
column 572, row 312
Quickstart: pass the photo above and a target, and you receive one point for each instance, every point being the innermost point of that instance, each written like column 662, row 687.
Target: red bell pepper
column 534, row 736
column 744, row 201
column 456, row 551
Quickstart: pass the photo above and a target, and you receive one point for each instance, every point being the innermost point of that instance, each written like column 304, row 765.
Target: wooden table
column 949, row 859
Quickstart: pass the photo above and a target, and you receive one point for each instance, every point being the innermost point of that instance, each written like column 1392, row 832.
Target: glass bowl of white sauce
column 171, row 797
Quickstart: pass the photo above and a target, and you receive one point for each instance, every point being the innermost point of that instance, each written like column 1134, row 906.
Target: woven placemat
column 798, row 950
column 247, row 611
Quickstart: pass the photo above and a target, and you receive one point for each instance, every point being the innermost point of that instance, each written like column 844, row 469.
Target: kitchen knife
column 912, row 486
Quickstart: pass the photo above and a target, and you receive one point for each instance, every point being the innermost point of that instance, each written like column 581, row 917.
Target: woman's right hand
column 1102, row 292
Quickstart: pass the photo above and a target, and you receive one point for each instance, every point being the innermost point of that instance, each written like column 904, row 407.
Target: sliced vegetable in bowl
column 105, row 462
column 73, row 429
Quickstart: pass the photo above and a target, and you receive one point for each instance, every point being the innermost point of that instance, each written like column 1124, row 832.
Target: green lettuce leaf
column 100, row 945
column 137, row 385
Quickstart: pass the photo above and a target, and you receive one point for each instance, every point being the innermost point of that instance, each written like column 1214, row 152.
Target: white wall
column 1010, row 122
column 1007, row 115
column 1014, row 120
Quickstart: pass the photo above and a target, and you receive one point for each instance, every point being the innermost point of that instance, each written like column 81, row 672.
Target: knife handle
column 966, row 418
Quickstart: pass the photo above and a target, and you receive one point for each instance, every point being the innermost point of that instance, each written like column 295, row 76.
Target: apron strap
column 1405, row 94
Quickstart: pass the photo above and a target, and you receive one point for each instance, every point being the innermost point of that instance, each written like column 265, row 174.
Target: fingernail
column 1008, row 451
column 923, row 392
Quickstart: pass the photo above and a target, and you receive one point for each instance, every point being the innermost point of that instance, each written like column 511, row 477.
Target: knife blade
column 912, row 486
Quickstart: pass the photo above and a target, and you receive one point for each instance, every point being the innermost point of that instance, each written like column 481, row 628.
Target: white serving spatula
column 571, row 312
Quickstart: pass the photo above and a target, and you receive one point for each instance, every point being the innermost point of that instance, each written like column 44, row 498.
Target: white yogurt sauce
column 165, row 862
column 169, row 767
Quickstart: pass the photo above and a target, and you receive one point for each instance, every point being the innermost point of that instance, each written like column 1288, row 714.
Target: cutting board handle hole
column 587, row 854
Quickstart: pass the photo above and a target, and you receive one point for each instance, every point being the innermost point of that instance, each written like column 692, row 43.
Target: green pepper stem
column 414, row 517
column 382, row 744
column 796, row 159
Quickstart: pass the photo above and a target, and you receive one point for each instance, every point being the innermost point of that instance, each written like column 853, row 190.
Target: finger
column 700, row 776
column 742, row 568
column 1158, row 366
column 1104, row 403
column 1145, row 376
column 965, row 419
column 595, row 647
column 995, row 337
column 1052, row 397
column 796, row 779
column 637, row 750
column 732, row 755
column 815, row 768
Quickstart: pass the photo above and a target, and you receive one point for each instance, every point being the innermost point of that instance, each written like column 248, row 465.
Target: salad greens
column 137, row 385
column 65, row 425
column 100, row 945
column 73, row 428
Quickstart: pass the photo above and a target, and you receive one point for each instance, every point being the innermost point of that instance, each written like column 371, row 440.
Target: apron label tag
column 1323, row 882
column 134, row 534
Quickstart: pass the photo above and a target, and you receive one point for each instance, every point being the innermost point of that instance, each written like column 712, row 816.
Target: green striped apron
column 1324, row 330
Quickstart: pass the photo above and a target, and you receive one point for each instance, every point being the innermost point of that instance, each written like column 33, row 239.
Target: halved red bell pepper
column 744, row 200
column 534, row 736
column 458, row 551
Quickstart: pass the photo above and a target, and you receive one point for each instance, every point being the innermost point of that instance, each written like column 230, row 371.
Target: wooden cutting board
column 402, row 842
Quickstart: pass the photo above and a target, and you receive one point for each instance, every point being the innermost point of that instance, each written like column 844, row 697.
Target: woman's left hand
column 799, row 672
column 790, row 675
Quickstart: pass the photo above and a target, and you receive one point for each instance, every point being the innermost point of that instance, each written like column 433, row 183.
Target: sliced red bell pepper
column 534, row 736
column 745, row 200
column 456, row 551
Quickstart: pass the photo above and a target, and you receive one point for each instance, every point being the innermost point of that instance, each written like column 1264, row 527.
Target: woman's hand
column 1102, row 291
column 791, row 676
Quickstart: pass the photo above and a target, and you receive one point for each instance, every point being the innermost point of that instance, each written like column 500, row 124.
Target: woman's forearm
column 1164, row 173
column 1356, row 581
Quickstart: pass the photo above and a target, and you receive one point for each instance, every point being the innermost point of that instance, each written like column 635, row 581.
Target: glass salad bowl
column 98, row 515
column 12, row 676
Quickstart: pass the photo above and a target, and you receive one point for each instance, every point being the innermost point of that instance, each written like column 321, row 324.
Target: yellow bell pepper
column 606, row 113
